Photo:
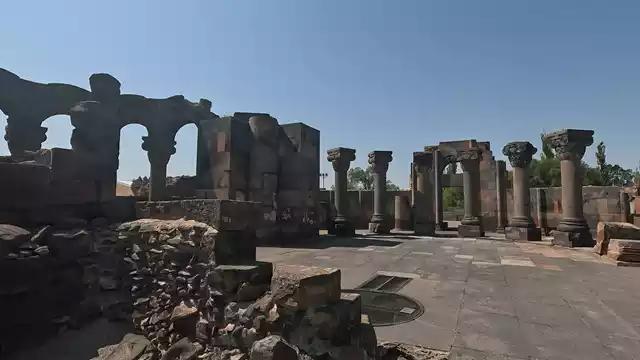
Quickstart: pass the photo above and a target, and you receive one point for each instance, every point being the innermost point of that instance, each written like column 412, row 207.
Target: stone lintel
column 569, row 143
column 581, row 238
column 473, row 153
column 519, row 153
column 380, row 157
column 523, row 234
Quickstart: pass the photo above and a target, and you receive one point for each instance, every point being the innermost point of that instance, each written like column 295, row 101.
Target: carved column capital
column 569, row 144
column 380, row 160
column 422, row 161
column 341, row 158
column 468, row 156
column 159, row 149
column 519, row 153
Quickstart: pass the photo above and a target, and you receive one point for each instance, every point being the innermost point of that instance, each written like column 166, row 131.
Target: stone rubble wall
column 186, row 304
column 57, row 277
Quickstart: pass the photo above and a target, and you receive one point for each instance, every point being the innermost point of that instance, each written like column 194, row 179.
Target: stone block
column 572, row 239
column 613, row 230
column 221, row 214
column 300, row 287
column 470, row 231
column 624, row 250
column 383, row 227
column 235, row 247
column 343, row 229
column 425, row 228
column 522, row 234
column 232, row 276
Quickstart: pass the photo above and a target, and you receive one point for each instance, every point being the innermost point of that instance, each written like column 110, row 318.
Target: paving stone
column 468, row 354
column 514, row 261
column 553, row 315
column 565, row 343
column 492, row 333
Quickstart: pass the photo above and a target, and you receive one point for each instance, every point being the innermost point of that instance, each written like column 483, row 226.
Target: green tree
column 452, row 198
column 362, row 179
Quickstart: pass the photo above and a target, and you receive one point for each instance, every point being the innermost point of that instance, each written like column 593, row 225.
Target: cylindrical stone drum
column 402, row 214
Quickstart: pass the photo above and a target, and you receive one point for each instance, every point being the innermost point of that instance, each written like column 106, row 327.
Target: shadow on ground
column 327, row 241
column 77, row 344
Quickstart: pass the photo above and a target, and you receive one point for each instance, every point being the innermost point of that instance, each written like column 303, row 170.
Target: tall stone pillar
column 471, row 224
column 570, row 145
column 521, row 226
column 159, row 151
column 625, row 208
column 424, row 219
column 402, row 214
column 380, row 160
column 501, row 191
column 341, row 159
column 438, row 167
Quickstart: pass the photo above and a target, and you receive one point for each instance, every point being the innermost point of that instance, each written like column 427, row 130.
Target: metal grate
column 387, row 308
column 385, row 283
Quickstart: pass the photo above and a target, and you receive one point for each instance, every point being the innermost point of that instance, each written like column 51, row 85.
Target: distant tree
column 452, row 198
column 362, row 179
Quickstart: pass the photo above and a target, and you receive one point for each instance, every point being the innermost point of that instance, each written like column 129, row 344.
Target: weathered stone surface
column 220, row 214
column 131, row 347
column 523, row 233
column 624, row 250
column 614, row 230
column 183, row 350
column 397, row 351
column 272, row 348
column 300, row 287
column 11, row 237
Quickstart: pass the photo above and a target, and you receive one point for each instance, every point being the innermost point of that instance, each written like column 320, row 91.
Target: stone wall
column 56, row 277
column 601, row 203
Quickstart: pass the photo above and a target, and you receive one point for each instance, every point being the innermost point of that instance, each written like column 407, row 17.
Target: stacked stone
column 53, row 279
column 171, row 296
column 619, row 241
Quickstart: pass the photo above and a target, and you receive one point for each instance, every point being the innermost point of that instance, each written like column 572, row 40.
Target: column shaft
column 471, row 225
column 437, row 188
column 501, row 190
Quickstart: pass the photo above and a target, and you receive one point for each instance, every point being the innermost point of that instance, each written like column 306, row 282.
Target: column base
column 344, row 228
column 523, row 233
column 442, row 226
column 379, row 227
column 470, row 230
column 577, row 238
column 424, row 228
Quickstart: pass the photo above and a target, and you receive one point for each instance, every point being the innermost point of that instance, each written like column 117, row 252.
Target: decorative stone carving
column 570, row 146
column 341, row 159
column 519, row 153
column 521, row 226
column 380, row 160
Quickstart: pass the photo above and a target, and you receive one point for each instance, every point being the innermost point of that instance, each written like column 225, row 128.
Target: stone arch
column 186, row 140
column 61, row 136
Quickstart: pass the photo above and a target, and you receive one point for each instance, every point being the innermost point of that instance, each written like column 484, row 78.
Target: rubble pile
column 190, row 307
column 56, row 277
column 618, row 241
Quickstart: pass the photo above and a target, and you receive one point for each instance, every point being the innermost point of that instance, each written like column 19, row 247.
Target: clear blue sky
column 370, row 74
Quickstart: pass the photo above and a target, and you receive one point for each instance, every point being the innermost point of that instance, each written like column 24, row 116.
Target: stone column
column 471, row 224
column 159, row 151
column 570, row 145
column 341, row 159
column 625, row 208
column 437, row 190
column 424, row 219
column 521, row 226
column 402, row 214
column 501, row 191
column 380, row 160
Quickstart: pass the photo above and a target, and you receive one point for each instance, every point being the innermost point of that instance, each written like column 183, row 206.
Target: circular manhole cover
column 385, row 308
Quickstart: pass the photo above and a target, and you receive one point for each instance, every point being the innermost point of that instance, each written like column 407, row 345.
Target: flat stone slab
column 624, row 250
column 301, row 287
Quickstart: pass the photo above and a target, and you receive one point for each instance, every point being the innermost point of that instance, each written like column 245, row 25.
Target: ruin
column 179, row 261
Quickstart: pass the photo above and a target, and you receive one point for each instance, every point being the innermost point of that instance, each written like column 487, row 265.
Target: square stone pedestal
column 572, row 239
column 522, row 234
column 345, row 229
column 379, row 227
column 425, row 229
column 470, row 230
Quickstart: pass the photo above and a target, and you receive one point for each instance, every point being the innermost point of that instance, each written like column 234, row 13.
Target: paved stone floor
column 491, row 299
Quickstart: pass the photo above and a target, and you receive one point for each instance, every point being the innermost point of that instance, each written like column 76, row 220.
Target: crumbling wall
column 57, row 277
